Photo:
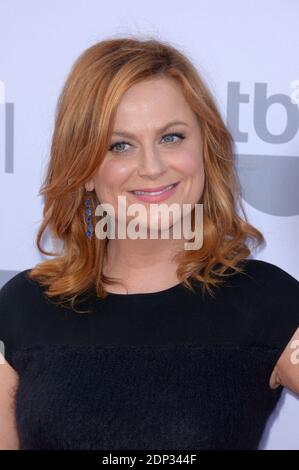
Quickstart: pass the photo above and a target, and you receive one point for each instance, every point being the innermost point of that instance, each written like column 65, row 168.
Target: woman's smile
column 155, row 194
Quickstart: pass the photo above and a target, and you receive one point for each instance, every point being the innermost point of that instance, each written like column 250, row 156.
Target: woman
column 140, row 343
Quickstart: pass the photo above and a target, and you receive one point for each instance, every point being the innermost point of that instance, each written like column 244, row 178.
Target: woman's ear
column 89, row 185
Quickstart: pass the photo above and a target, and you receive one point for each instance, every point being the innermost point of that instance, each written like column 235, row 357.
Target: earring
column 88, row 223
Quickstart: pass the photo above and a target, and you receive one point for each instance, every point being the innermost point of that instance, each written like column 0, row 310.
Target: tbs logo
column 269, row 181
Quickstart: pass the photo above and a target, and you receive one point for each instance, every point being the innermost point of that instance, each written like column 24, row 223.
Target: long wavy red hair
column 83, row 125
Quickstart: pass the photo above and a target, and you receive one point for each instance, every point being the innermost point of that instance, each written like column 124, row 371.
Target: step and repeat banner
column 246, row 53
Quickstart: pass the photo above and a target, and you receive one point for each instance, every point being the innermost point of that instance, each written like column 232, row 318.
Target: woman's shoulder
column 269, row 289
column 261, row 267
column 18, row 289
column 270, row 297
column 18, row 297
column 21, row 278
column 267, row 277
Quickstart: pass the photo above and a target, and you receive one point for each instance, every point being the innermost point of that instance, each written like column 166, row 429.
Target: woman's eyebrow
column 172, row 123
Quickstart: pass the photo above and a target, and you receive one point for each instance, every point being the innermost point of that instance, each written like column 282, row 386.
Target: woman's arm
column 8, row 385
column 286, row 370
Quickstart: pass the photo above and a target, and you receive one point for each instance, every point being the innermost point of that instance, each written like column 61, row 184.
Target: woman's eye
column 117, row 146
column 177, row 134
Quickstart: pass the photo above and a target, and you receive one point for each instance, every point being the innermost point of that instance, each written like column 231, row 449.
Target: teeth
column 156, row 193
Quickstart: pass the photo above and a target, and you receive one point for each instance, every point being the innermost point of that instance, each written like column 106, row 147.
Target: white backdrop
column 248, row 55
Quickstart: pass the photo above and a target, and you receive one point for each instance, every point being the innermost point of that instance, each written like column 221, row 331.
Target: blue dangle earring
column 88, row 217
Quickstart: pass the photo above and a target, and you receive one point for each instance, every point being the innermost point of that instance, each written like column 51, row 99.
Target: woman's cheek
column 190, row 163
column 111, row 181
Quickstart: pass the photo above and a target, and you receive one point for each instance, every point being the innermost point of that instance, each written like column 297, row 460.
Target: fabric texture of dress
column 167, row 370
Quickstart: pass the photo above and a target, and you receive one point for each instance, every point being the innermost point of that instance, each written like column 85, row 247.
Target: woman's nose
column 151, row 163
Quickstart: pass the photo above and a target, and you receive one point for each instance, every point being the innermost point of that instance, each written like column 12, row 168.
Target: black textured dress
column 154, row 371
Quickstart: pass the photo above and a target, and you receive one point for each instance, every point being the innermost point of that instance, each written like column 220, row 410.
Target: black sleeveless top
column 168, row 370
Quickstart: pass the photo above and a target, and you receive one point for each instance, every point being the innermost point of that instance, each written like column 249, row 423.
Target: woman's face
column 146, row 151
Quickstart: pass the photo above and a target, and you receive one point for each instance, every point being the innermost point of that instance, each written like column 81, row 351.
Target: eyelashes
column 179, row 135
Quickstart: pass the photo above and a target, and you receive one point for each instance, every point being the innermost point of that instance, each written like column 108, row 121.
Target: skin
column 149, row 161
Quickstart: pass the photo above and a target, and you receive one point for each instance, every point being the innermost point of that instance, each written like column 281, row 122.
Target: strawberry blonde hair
column 83, row 125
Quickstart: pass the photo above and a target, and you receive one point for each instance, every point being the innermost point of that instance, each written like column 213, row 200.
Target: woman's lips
column 161, row 196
